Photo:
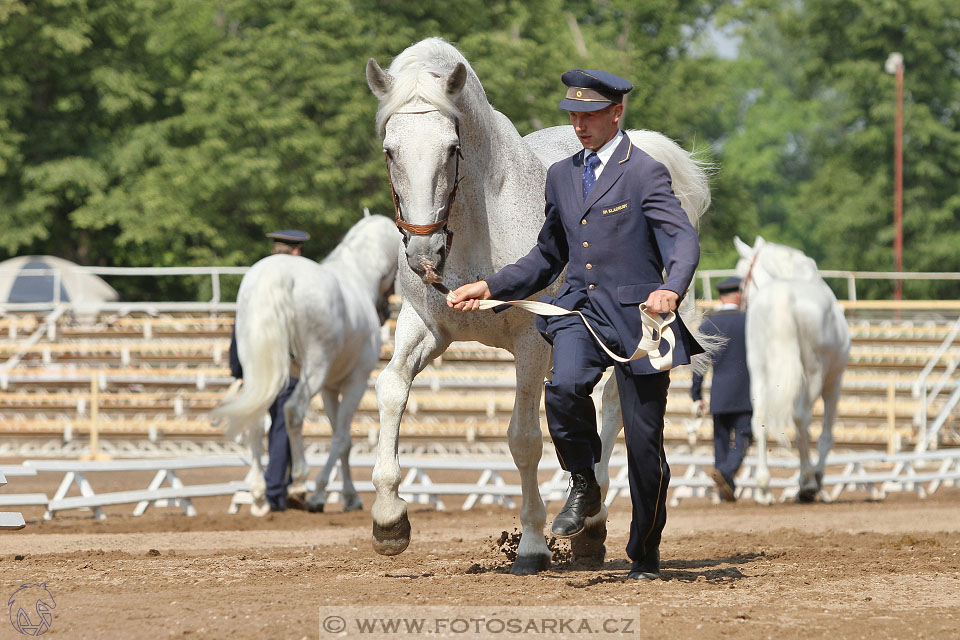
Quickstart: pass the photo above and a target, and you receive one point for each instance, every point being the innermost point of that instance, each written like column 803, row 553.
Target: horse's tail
column 779, row 352
column 690, row 176
column 689, row 173
column 264, row 333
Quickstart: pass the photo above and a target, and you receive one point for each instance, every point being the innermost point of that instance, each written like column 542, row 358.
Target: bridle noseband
column 408, row 229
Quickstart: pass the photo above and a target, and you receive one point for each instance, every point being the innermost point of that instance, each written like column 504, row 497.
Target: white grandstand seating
column 160, row 375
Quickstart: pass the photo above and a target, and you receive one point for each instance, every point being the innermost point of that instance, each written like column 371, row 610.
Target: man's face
column 596, row 128
column 730, row 298
column 283, row 247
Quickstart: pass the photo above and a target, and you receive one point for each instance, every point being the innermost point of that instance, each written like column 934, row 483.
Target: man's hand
column 662, row 301
column 466, row 298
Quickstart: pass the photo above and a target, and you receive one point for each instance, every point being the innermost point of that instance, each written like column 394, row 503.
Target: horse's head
column 766, row 261
column 418, row 118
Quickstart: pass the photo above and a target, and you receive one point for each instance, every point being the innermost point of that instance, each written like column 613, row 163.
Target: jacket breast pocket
column 634, row 294
column 617, row 209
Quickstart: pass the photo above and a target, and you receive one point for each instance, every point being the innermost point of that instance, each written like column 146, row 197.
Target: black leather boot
column 583, row 502
column 648, row 568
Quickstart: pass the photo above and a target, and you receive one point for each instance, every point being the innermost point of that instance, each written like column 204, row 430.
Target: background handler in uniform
column 613, row 220
column 277, row 473
column 730, row 389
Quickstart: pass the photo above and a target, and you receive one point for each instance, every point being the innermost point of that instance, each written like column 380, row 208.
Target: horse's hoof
column 315, row 507
column 394, row 539
column 352, row 505
column 807, row 495
column 588, row 545
column 530, row 565
column 259, row 510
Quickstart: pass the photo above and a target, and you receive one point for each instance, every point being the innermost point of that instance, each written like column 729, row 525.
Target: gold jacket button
column 586, row 244
column 589, row 266
column 592, row 287
column 583, row 222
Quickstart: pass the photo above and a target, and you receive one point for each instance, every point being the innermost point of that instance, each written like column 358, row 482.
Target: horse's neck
column 362, row 275
column 495, row 157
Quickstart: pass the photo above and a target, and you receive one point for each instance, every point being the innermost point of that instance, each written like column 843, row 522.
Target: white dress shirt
column 604, row 153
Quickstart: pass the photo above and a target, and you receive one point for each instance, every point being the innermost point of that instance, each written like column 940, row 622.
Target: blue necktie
column 589, row 175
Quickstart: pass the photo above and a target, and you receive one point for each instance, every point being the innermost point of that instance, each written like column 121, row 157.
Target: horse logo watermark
column 30, row 609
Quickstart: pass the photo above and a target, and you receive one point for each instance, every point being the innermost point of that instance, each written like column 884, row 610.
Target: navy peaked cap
column 289, row 236
column 592, row 90
column 729, row 285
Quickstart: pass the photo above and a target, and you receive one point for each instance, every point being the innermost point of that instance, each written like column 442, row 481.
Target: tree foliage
column 171, row 132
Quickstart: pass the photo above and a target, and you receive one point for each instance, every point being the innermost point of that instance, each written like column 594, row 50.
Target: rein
column 746, row 281
column 654, row 330
column 405, row 227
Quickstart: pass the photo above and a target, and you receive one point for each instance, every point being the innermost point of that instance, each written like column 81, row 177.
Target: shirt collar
column 606, row 151
column 727, row 306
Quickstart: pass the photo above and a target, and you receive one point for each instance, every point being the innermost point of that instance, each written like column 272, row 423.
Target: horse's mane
column 352, row 243
column 788, row 263
column 415, row 71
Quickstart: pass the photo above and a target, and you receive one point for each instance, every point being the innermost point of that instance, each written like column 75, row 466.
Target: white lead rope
column 655, row 330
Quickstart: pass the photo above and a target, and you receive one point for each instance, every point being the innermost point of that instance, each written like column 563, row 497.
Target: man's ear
column 617, row 113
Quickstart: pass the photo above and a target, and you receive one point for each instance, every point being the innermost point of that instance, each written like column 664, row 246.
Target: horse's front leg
column 295, row 410
column 345, row 405
column 831, row 397
column 589, row 544
column 352, row 395
column 526, row 446
column 317, row 500
column 803, row 416
column 415, row 346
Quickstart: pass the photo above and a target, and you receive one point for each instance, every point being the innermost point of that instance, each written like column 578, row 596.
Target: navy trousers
column 578, row 363
column 277, row 473
column 729, row 427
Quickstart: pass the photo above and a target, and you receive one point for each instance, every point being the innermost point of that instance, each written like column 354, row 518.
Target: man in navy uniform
column 730, row 389
column 277, row 473
column 613, row 220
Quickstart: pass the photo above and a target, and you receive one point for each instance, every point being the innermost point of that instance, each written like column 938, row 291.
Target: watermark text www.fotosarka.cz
column 554, row 622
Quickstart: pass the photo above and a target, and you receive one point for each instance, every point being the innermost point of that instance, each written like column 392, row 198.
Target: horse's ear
column 366, row 212
column 378, row 80
column 456, row 80
column 743, row 248
column 759, row 242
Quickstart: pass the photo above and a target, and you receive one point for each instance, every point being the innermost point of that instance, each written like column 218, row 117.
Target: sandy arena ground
column 853, row 569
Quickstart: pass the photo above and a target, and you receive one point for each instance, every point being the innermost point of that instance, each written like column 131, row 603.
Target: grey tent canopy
column 32, row 280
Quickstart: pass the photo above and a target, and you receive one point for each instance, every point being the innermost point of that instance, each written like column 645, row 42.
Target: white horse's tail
column 264, row 338
column 783, row 368
column 690, row 176
column 689, row 173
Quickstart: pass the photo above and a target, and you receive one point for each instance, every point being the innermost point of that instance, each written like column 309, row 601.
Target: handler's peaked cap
column 289, row 236
column 592, row 90
column 730, row 285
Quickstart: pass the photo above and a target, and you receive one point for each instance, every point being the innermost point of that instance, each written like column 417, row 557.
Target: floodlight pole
column 894, row 65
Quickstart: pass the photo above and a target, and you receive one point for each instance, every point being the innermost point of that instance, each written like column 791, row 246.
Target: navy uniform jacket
column 615, row 246
column 730, row 392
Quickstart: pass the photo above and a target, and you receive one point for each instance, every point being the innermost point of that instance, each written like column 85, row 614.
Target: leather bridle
column 746, row 281
column 408, row 229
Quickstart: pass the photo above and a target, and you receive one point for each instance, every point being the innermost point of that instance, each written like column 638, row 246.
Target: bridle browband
column 405, row 227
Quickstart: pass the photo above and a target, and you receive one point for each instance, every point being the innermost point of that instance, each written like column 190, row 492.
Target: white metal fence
column 875, row 473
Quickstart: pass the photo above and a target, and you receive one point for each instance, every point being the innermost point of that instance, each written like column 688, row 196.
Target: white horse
column 325, row 316
column 462, row 173
column 798, row 344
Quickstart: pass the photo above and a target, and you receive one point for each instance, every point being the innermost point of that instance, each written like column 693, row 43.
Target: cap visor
column 582, row 107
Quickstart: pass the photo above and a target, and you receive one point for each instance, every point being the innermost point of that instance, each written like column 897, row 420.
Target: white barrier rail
column 876, row 473
column 9, row 521
column 215, row 304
